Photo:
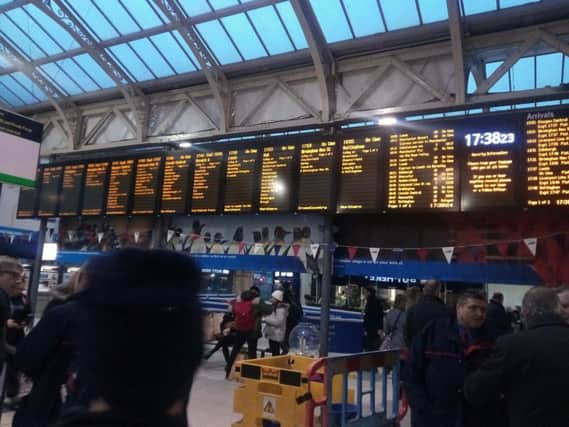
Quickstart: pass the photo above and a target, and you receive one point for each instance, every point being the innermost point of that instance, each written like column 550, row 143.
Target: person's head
column 277, row 297
column 540, row 302
column 412, row 296
column 563, row 295
column 471, row 309
column 248, row 295
column 400, row 302
column 432, row 288
column 10, row 275
column 498, row 297
column 255, row 291
column 141, row 331
column 369, row 291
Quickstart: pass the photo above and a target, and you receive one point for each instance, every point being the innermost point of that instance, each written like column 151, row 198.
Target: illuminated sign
column 316, row 181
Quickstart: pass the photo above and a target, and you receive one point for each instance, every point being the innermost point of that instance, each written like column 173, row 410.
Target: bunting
column 374, row 252
column 448, row 251
column 531, row 243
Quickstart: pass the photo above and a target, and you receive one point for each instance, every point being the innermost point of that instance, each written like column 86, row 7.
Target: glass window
column 433, row 10
column 22, row 87
column 117, row 15
column 364, row 16
column 152, row 57
column 472, row 7
column 524, row 106
column 243, row 34
column 195, row 7
column 94, row 19
column 502, row 85
column 8, row 95
column 566, row 70
column 549, row 70
column 186, row 49
column 79, row 75
column 40, row 37
column 548, row 103
column 173, row 53
column 523, row 74
column 222, row 4
column 133, row 65
column 400, row 14
column 292, row 25
column 512, row 3
column 471, row 85
column 332, row 20
column 21, row 41
column 271, row 30
column 219, row 42
column 95, row 71
column 143, row 13
column 56, row 31
column 60, row 79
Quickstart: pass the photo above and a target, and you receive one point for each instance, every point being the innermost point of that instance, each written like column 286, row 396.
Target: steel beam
column 299, row 100
column 407, row 70
column 204, row 113
column 554, row 41
column 322, row 57
column 373, row 81
column 169, row 121
column 259, row 102
column 97, row 129
column 455, row 25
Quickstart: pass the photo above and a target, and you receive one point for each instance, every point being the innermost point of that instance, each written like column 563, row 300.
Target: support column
column 35, row 280
column 326, row 286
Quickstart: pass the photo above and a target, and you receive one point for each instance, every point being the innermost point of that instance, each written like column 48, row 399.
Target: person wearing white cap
column 275, row 323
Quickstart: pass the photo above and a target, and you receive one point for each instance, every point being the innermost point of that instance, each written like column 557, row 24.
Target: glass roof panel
column 117, row 16
column 5, row 1
column 195, row 7
column 472, row 7
column 523, row 74
column 222, row 4
column 152, row 58
column 549, row 69
column 243, row 34
column 173, row 53
column 433, row 10
column 40, row 37
column 218, row 41
column 511, row 3
column 566, row 70
column 186, row 49
column 19, row 40
column 502, row 85
column 132, row 64
column 22, row 87
column 8, row 96
column 471, row 85
column 60, row 79
column 332, row 20
column 56, row 31
column 94, row 19
column 292, row 25
column 364, row 16
column 143, row 13
column 3, row 63
column 271, row 30
column 400, row 14
column 79, row 75
column 95, row 71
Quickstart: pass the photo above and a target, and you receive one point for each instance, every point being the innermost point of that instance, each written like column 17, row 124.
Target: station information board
column 316, row 180
column 27, row 203
column 360, row 175
column 95, row 188
column 71, row 190
column 207, row 180
column 277, row 173
column 146, row 185
column 240, row 179
column 51, row 178
column 120, row 187
column 422, row 170
column 547, row 159
column 175, row 184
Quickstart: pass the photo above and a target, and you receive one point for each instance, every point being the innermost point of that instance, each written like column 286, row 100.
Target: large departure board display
column 422, row 170
column 71, row 190
column 175, row 184
column 146, row 185
column 240, row 180
column 277, row 171
column 316, row 180
column 360, row 175
column 27, row 203
column 548, row 159
column 95, row 188
column 51, row 178
column 120, row 187
column 207, row 181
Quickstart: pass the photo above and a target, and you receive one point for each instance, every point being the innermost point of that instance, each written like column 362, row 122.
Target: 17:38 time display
column 489, row 138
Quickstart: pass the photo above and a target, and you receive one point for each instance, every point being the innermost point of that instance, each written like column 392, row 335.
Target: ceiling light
column 185, row 144
column 387, row 121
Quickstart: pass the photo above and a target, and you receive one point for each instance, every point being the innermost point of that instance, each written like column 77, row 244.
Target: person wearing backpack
column 295, row 314
column 245, row 332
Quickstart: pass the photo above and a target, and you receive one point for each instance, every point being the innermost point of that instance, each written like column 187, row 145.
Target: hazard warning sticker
column 269, row 407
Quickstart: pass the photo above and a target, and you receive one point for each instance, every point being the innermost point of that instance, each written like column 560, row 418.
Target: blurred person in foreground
column 141, row 340
column 529, row 369
column 563, row 295
column 441, row 357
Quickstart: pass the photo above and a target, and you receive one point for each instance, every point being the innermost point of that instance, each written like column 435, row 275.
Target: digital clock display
column 489, row 138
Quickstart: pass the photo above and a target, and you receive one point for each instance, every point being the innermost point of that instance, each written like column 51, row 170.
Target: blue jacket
column 439, row 361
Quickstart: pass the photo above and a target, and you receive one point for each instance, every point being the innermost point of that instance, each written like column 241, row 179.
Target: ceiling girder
column 455, row 25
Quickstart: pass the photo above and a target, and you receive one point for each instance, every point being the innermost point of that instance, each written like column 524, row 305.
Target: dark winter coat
column 4, row 316
column 439, row 361
column 114, row 419
column 427, row 309
column 530, row 369
column 373, row 314
column 497, row 318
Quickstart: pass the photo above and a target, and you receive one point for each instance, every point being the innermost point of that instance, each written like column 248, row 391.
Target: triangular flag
column 295, row 249
column 423, row 253
column 258, row 247
column 314, row 249
column 502, row 248
column 136, row 236
column 277, row 249
column 100, row 237
column 448, row 251
column 352, row 252
column 12, row 238
column 30, row 236
column 70, row 234
column 531, row 243
column 374, row 252
column 242, row 246
column 169, row 235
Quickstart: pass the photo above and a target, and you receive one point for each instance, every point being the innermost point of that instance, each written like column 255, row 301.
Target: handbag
column 386, row 345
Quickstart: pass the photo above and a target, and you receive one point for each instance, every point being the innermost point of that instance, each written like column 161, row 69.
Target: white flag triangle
column 136, row 236
column 257, row 248
column 12, row 238
column 531, row 243
column 70, row 234
column 374, row 252
column 100, row 236
column 314, row 249
column 170, row 235
column 30, row 236
column 448, row 251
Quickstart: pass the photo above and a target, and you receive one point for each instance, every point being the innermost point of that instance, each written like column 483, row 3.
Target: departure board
column 490, row 162
column 51, row 178
column 422, row 172
column 146, row 185
column 360, row 175
column 27, row 203
column 175, row 184
column 277, row 171
column 120, row 187
column 71, row 190
column 207, row 179
column 315, row 187
column 94, row 188
column 240, row 179
column 548, row 159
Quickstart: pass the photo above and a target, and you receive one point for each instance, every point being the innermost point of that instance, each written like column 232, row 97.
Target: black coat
column 373, row 314
column 4, row 316
column 427, row 309
column 115, row 419
column 531, row 370
column 498, row 318
column 438, row 364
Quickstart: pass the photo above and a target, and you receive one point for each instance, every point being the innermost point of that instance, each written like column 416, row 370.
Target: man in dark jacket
column 497, row 317
column 530, row 368
column 441, row 357
column 373, row 319
column 429, row 307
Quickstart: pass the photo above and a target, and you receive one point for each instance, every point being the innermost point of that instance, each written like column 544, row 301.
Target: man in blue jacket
column 441, row 357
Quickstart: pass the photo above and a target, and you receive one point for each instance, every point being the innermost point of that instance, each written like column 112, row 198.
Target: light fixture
column 387, row 121
column 49, row 252
column 185, row 144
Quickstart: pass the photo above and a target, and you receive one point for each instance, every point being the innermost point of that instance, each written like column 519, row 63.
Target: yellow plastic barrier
column 273, row 391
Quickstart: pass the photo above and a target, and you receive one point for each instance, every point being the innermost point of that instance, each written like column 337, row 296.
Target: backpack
column 244, row 316
column 295, row 315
